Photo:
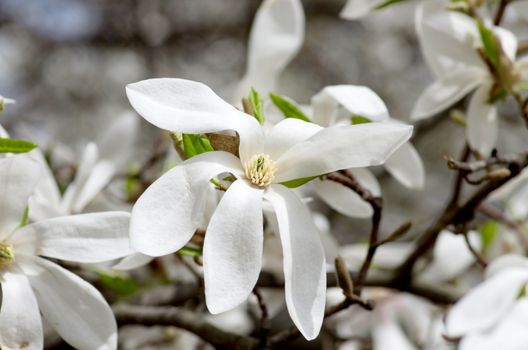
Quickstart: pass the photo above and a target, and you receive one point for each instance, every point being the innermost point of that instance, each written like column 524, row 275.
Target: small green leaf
column 490, row 46
column 497, row 96
column 388, row 3
column 298, row 182
column 190, row 251
column 195, row 144
column 289, row 109
column 488, row 232
column 121, row 284
column 24, row 217
column 256, row 106
column 358, row 119
column 15, row 146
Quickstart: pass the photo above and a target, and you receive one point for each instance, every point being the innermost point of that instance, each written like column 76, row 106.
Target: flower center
column 7, row 255
column 260, row 169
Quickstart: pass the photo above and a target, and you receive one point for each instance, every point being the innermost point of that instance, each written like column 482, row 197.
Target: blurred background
column 67, row 62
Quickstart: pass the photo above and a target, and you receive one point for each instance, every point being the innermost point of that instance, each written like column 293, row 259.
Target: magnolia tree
column 226, row 199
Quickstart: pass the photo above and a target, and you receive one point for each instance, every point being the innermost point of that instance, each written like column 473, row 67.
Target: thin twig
column 264, row 317
column 500, row 12
column 478, row 257
column 497, row 215
column 190, row 321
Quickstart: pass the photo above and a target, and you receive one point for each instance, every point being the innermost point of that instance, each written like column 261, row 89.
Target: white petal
column 287, row 133
column 73, row 307
column 100, row 176
column 86, row 238
column 86, row 165
column 388, row 256
column 3, row 132
column 448, row 39
column 508, row 42
column 233, row 248
column 485, row 305
column 482, row 123
column 18, row 177
column 168, row 213
column 344, row 200
column 133, row 261
column 47, row 191
column 341, row 147
column 406, row 166
column 191, row 107
column 355, row 9
column 387, row 334
column 509, row 334
column 20, row 322
column 446, row 91
column 117, row 140
column 356, row 100
column 451, row 256
column 276, row 36
column 504, row 262
column 304, row 261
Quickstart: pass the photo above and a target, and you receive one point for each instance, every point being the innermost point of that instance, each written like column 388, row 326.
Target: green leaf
column 488, row 232
column 256, row 106
column 298, row 182
column 24, row 217
column 190, row 251
column 358, row 119
column 289, row 109
column 195, row 144
column 497, row 96
column 388, row 3
column 121, row 284
column 490, row 46
column 15, row 146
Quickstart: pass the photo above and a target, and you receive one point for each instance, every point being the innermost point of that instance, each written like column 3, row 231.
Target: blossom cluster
column 232, row 198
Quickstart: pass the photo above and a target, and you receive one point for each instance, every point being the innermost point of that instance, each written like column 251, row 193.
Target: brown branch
column 455, row 214
column 500, row 12
column 478, row 257
column 264, row 316
column 346, row 179
column 177, row 317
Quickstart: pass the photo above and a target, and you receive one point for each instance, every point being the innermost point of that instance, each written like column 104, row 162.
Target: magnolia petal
column 99, row 178
column 276, row 36
column 233, row 248
column 448, row 39
column 86, row 165
column 344, row 200
column 85, row 238
column 286, row 134
column 47, row 192
column 487, row 304
column 388, row 256
column 356, row 100
column 117, row 140
column 3, row 132
column 20, row 322
column 304, row 261
column 168, row 213
column 133, row 261
column 18, row 177
column 387, row 334
column 482, row 122
column 355, row 9
column 343, row 147
column 445, row 92
column 406, row 165
column 504, row 262
column 451, row 256
column 74, row 308
column 190, row 107
column 509, row 334
column 508, row 42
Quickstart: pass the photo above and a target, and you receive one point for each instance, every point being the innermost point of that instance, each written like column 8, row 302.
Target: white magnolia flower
column 75, row 309
column 357, row 9
column 450, row 41
column 494, row 314
column 98, row 165
column 166, row 216
column 400, row 321
column 276, row 36
column 335, row 105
